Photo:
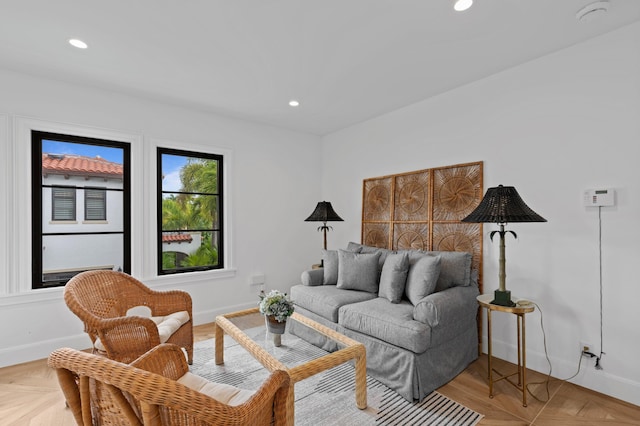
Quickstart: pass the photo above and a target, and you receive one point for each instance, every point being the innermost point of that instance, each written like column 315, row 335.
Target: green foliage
column 201, row 176
column 206, row 255
column 168, row 260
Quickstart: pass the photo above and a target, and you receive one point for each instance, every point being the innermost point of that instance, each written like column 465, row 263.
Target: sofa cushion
column 167, row 325
column 330, row 267
column 390, row 322
column 455, row 269
column 358, row 271
column 422, row 277
column 312, row 276
column 449, row 312
column 361, row 248
column 221, row 392
column 394, row 277
column 326, row 300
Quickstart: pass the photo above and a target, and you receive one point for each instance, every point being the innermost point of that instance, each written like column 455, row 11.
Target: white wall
column 552, row 128
column 273, row 182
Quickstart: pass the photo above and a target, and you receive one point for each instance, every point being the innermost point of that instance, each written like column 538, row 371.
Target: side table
column 520, row 311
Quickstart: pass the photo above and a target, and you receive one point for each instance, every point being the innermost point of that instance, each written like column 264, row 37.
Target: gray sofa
column 414, row 311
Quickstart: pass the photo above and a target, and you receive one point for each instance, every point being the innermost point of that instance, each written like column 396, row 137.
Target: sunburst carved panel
column 456, row 191
column 411, row 197
column 422, row 210
column 459, row 237
column 375, row 234
column 413, row 236
column 377, row 199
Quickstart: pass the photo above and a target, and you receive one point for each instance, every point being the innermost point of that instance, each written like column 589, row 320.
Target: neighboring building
column 81, row 204
column 182, row 244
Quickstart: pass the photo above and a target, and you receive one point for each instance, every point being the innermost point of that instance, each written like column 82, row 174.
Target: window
column 95, row 204
column 77, row 177
column 190, row 236
column 63, row 203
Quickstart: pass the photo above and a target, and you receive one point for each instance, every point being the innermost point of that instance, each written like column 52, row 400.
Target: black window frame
column 219, row 230
column 37, row 274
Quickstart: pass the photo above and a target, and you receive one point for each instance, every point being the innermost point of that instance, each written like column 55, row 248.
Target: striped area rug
column 328, row 398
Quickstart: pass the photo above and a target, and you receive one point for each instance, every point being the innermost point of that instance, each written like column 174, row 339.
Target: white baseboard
column 209, row 315
column 40, row 350
column 597, row 380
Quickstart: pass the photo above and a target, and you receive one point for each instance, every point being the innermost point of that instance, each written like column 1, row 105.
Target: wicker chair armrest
column 167, row 360
column 127, row 338
column 167, row 302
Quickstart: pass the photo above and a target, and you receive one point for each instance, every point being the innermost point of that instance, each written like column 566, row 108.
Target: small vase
column 274, row 326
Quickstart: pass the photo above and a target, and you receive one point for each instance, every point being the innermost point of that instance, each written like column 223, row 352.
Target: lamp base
column 502, row 298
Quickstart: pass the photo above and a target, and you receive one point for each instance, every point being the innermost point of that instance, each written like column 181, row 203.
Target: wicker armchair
column 103, row 391
column 101, row 299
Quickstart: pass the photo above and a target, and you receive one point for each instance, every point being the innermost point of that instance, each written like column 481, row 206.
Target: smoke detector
column 593, row 11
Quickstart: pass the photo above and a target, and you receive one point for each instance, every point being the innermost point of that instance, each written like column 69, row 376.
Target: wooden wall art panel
column 422, row 210
column 375, row 234
column 377, row 199
column 411, row 197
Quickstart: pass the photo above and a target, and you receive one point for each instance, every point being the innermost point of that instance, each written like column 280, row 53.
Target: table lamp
column 324, row 213
column 501, row 205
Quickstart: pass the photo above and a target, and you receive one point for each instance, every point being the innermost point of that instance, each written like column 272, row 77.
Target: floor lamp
column 324, row 213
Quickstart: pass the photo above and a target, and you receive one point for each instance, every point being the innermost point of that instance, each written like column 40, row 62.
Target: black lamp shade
column 502, row 204
column 324, row 213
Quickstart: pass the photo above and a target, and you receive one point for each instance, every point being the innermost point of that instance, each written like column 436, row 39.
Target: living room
column 553, row 127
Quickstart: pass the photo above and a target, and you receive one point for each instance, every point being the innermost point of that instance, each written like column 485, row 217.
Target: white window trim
column 19, row 269
column 6, row 187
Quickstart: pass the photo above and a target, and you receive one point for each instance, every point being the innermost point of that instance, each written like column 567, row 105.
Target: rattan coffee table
column 349, row 349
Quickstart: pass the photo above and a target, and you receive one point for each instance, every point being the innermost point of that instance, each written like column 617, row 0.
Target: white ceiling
column 345, row 60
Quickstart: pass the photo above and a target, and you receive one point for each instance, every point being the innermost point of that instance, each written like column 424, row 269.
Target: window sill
column 196, row 277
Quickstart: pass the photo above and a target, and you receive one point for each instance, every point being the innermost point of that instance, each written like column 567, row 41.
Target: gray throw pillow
column 358, row 271
column 361, row 248
column 330, row 266
column 394, row 277
column 354, row 247
column 422, row 278
column 455, row 269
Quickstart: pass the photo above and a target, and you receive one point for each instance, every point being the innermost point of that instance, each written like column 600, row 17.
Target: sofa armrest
column 455, row 304
column 312, row 277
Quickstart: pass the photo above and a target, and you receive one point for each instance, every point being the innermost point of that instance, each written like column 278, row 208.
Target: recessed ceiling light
column 78, row 43
column 294, row 103
column 462, row 5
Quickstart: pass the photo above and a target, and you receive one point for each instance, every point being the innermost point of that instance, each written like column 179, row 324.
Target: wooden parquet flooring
column 30, row 396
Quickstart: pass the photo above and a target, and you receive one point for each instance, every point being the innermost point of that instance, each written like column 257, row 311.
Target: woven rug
column 328, row 398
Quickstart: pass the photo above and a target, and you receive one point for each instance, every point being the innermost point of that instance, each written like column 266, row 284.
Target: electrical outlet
column 586, row 347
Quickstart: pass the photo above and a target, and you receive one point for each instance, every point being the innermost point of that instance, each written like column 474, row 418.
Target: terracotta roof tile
column 177, row 238
column 77, row 164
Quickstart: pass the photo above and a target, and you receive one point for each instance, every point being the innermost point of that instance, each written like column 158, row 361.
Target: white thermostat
column 599, row 197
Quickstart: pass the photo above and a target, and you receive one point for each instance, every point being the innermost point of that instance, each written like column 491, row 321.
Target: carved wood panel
column 422, row 210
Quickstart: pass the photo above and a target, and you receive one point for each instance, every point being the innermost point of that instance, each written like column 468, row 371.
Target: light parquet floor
column 29, row 395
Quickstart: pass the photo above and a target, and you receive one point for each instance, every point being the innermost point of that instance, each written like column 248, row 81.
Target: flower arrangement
column 277, row 304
